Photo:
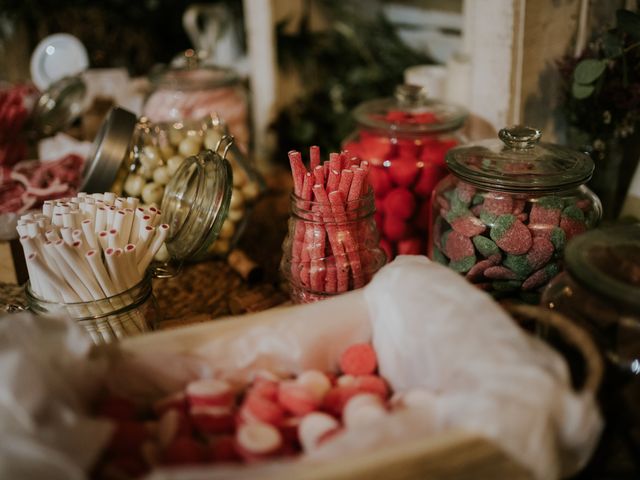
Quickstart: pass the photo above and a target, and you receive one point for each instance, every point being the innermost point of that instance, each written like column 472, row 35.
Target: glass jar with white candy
column 155, row 152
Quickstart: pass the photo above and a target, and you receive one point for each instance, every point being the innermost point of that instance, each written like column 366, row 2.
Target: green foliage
column 359, row 56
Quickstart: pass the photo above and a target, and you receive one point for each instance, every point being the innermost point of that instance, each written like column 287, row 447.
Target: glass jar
column 504, row 214
column 137, row 158
column 194, row 206
column 405, row 139
column 129, row 313
column 327, row 253
column 600, row 290
column 194, row 91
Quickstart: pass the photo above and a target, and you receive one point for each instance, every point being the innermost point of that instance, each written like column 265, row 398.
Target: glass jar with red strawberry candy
column 405, row 139
column 504, row 214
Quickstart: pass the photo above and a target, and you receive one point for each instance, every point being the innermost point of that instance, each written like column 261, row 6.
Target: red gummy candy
column 263, row 409
column 500, row 273
column 410, row 246
column 359, row 359
column 336, row 398
column 468, row 225
column 572, row 227
column 399, row 203
column 498, row 204
column 404, row 171
column 428, row 179
column 372, row 384
column 395, row 229
column 265, row 388
column 296, row 399
column 433, row 153
column 478, row 270
column 375, row 149
column 541, row 252
column 516, row 239
column 408, row 149
column 184, row 451
column 380, row 181
column 457, row 246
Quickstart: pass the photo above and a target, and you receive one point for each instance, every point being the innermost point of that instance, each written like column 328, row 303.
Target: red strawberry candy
column 380, row 181
column 395, row 229
column 410, row 246
column 467, row 225
column 498, row 203
column 429, row 177
column 375, row 149
column 456, row 246
column 359, row 359
column 408, row 149
column 511, row 235
column 478, row 270
column 399, row 203
column 387, row 249
column 572, row 222
column 433, row 153
column 404, row 171
column 500, row 273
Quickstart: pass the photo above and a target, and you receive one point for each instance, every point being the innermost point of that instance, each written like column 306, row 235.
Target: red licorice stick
column 342, row 266
column 318, row 270
column 297, row 170
column 304, row 231
column 318, row 175
column 326, row 167
column 333, row 181
column 348, row 235
column 344, row 186
column 357, row 185
column 335, row 162
column 314, row 156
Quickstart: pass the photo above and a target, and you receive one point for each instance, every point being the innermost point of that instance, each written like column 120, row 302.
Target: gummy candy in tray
column 489, row 397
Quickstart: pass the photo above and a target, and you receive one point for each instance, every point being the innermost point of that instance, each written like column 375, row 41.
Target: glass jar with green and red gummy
column 405, row 139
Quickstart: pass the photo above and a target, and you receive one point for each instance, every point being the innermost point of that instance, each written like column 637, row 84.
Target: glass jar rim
column 193, row 78
column 140, row 292
column 360, row 207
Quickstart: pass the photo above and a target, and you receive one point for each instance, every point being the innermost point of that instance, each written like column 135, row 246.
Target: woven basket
column 544, row 320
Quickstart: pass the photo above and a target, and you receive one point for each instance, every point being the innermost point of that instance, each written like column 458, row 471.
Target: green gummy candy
column 574, row 213
column 519, row 264
column 448, row 195
column 488, row 218
column 457, row 212
column 551, row 203
column 477, row 199
column 439, row 257
column 558, row 238
column 457, row 205
column 506, row 285
column 485, row 246
column 551, row 270
column 464, row 265
column 443, row 239
column 501, row 226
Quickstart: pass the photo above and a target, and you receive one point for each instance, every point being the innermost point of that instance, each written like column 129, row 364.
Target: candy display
column 16, row 104
column 332, row 245
column 197, row 91
column 405, row 139
column 504, row 216
column 212, row 421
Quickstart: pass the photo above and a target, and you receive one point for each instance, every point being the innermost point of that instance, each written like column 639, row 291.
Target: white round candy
column 133, row 185
column 189, row 146
column 315, row 382
column 152, row 193
column 227, row 230
column 250, row 191
column 150, row 157
column 174, row 163
column 146, row 172
column 363, row 409
column 237, row 199
column 313, row 427
column 258, row 438
column 235, row 214
column 346, row 381
column 161, row 175
column 175, row 136
column 167, row 151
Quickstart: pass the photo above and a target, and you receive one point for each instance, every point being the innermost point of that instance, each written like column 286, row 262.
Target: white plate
column 57, row 56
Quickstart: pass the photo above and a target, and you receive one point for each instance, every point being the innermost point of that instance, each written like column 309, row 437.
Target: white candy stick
column 157, row 219
column 67, row 220
column 100, row 272
column 101, row 219
column 131, row 266
column 103, row 239
column 89, row 200
column 78, row 236
column 109, row 198
column 33, row 229
column 29, row 247
column 143, row 242
column 48, row 282
column 98, row 196
column 159, row 238
column 118, row 224
column 57, row 220
column 125, row 233
column 23, row 230
column 90, row 210
column 111, row 255
column 43, row 223
column 82, row 195
column 89, row 234
column 67, row 236
column 152, row 211
column 120, row 203
column 72, row 255
column 145, row 221
column 111, row 211
column 68, row 271
column 114, row 238
column 47, row 208
column 135, row 225
column 132, row 203
column 51, row 235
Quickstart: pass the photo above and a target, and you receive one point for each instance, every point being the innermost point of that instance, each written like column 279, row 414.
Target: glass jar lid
column 410, row 110
column 607, row 262
column 196, row 200
column 189, row 73
column 518, row 161
column 58, row 106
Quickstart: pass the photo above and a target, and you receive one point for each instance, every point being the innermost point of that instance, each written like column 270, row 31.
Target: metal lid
column 196, row 202
column 410, row 110
column 607, row 261
column 189, row 73
column 518, row 161
column 58, row 106
column 110, row 147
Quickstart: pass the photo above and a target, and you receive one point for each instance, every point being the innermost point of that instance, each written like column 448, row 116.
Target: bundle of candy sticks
column 327, row 238
column 83, row 250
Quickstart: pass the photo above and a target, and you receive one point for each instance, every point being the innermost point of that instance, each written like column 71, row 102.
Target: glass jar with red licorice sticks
column 332, row 243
